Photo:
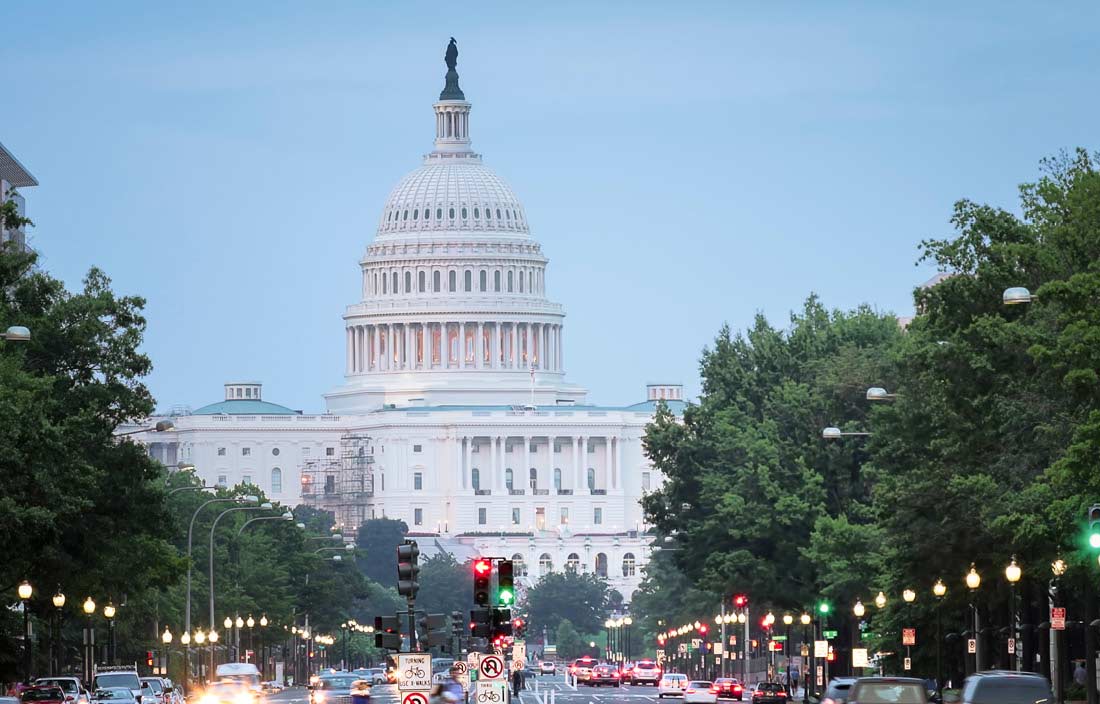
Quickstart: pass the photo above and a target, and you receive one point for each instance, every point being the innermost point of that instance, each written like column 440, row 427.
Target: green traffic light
column 1094, row 539
column 505, row 597
column 823, row 607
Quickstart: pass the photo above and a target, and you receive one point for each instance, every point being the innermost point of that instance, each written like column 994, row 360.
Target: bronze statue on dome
column 451, row 57
column 451, row 91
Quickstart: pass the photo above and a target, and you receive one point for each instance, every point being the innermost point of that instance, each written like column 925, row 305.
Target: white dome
column 463, row 195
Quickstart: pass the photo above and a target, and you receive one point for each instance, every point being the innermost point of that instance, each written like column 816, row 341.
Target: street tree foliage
column 580, row 598
column 445, row 585
column 377, row 543
column 568, row 641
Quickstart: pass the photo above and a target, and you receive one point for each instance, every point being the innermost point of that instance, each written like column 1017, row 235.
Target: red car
column 729, row 688
column 43, row 695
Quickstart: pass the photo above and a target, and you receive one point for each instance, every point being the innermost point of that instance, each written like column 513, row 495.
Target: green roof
column 244, row 407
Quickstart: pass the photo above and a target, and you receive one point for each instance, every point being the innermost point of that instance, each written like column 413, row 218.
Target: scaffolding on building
column 342, row 485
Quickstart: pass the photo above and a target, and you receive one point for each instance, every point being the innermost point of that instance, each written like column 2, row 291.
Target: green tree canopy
column 377, row 542
column 578, row 598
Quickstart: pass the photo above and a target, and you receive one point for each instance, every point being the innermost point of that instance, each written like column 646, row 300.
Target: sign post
column 414, row 677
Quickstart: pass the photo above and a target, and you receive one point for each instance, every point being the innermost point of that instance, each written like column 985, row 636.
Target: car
column 838, row 690
column 546, row 667
column 645, row 672
column 156, row 686
column 603, row 674
column 672, row 684
column 582, row 668
column 74, row 691
column 332, row 688
column 43, row 694
column 729, row 688
column 770, row 693
column 227, row 692
column 113, row 695
column 901, row 690
column 625, row 671
column 114, row 676
column 700, row 692
column 1005, row 687
column 271, row 687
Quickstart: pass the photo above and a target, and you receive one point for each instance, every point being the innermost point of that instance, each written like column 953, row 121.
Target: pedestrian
column 1079, row 674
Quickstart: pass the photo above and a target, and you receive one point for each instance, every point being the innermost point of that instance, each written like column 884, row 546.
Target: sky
column 683, row 164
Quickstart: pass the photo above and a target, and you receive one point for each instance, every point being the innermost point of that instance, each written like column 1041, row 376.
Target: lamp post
column 973, row 581
column 239, row 623
column 787, row 621
column 185, row 641
column 939, row 589
column 263, row 645
column 190, row 533
column 805, row 620
column 25, row 591
column 859, row 610
column 165, row 638
column 200, row 639
column 212, row 639
column 1013, row 574
column 213, row 527
column 908, row 596
column 58, row 603
column 227, row 624
column 89, row 638
column 627, row 621
column 109, row 612
column 608, row 625
column 251, row 623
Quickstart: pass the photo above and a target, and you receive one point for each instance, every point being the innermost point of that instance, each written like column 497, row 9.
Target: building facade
column 13, row 175
column 455, row 414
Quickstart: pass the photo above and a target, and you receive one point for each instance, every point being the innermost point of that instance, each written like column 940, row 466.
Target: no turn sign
column 414, row 698
column 492, row 667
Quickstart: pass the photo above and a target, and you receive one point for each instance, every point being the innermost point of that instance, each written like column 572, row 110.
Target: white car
column 672, row 685
column 701, row 692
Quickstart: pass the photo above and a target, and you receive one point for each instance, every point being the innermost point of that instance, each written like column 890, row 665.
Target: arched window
column 628, row 565
column 498, row 213
column 408, row 282
column 496, row 281
column 557, row 478
column 509, row 281
column 422, row 280
column 452, row 279
column 601, row 564
column 276, row 480
column 573, row 562
column 477, row 213
column 507, row 214
column 464, row 213
column 452, row 213
column 483, row 280
column 489, row 213
column 468, row 280
column 435, row 281
column 591, row 479
column 475, row 478
column 439, row 213
column 534, row 474
column 508, row 478
column 394, row 287
column 416, row 214
column 519, row 567
column 521, row 278
column 405, row 215
column 546, row 564
column 384, row 279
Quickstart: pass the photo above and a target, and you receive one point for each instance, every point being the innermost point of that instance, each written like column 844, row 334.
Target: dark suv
column 1006, row 687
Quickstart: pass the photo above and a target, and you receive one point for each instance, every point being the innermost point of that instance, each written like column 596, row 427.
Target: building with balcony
column 14, row 175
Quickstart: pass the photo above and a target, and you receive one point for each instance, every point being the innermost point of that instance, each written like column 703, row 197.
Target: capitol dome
column 453, row 307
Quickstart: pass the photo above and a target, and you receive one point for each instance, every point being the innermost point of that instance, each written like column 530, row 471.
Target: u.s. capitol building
column 455, row 414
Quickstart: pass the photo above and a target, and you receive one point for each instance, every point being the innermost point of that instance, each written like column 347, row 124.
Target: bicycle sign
column 492, row 667
column 414, row 671
column 489, row 692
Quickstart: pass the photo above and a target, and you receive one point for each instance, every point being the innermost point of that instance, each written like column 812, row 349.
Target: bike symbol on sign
column 491, row 696
column 414, row 672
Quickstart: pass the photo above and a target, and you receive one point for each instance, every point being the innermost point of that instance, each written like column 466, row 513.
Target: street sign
column 829, row 634
column 460, row 667
column 492, row 667
column 414, row 671
column 473, row 660
column 779, row 638
column 696, row 643
column 1011, row 646
column 805, row 650
column 682, row 647
column 417, row 697
column 908, row 664
column 489, row 692
column 1058, row 618
column 908, row 636
column 820, row 676
column 821, row 648
column 971, row 646
column 519, row 654
column 718, row 649
column 859, row 657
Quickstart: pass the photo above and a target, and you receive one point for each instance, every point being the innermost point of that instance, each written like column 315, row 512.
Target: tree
column 10, row 219
column 568, row 641
column 377, row 541
column 578, row 598
column 445, row 585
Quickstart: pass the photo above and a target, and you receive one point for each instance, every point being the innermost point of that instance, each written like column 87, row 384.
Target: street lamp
column 909, row 596
column 162, row 426
column 787, row 621
column 832, row 433
column 1016, row 295
column 190, row 531
column 109, row 612
column 877, row 393
column 880, row 601
column 165, row 638
column 973, row 581
column 1013, row 573
column 58, row 603
column 25, row 591
column 214, row 527
column 939, row 590
column 16, row 333
column 89, row 638
column 859, row 610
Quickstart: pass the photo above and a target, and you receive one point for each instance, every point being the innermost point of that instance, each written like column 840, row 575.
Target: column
column 373, row 365
column 515, row 346
column 470, row 459
column 576, row 464
column 618, row 462
column 462, row 345
column 584, row 462
column 498, row 344
column 425, row 348
column 406, row 343
column 458, row 458
column 362, row 343
column 442, row 345
column 561, row 348
column 530, row 346
column 479, row 346
column 391, row 346
column 525, row 473
column 350, row 368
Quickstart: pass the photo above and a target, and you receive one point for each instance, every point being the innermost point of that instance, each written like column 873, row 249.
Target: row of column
column 575, row 477
column 454, row 345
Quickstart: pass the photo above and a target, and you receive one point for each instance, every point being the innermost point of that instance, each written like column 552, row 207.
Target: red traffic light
column 483, row 567
column 740, row 601
column 702, row 628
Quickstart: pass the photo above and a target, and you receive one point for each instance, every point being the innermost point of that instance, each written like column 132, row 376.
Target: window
column 521, row 278
column 573, row 562
column 422, row 282
column 546, row 565
column 464, row 213
column 563, row 518
column 405, row 215
column 394, row 287
column 601, row 565
column 418, row 448
column 496, row 281
column 468, row 280
column 452, row 213
column 540, row 518
column 275, row 451
column 628, row 565
column 534, row 474
column 439, row 213
column 246, row 451
column 246, row 479
column 435, row 281
column 591, row 479
column 597, row 516
column 330, row 484
column 645, row 481
column 557, row 478
column 519, row 567
column 276, row 480
column 482, row 518
column 384, row 279
column 418, row 481
column 418, row 516
column 330, row 452
column 508, row 479
column 452, row 279
column 515, row 516
column 475, row 478
column 222, row 482
column 408, row 282
column 483, row 280
column 509, row 281
column 221, row 452
column 416, row 213
column 498, row 213
column 477, row 213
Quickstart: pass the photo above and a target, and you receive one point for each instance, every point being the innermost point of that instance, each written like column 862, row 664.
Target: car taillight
column 737, row 688
column 689, row 690
column 713, row 690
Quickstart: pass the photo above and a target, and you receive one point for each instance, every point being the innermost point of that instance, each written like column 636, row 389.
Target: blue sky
column 683, row 164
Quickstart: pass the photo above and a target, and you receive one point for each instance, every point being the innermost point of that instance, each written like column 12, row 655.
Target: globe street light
column 909, row 596
column 58, row 604
column 1013, row 573
column 973, row 581
column 89, row 638
column 165, row 638
column 25, row 591
column 880, row 601
column 939, row 589
column 109, row 612
column 16, row 333
column 859, row 610
column 1017, row 295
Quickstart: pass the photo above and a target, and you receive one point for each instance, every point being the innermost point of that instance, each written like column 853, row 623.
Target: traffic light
column 519, row 627
column 740, row 601
column 456, row 624
column 506, row 590
column 149, row 658
column 1094, row 526
column 386, row 633
column 408, row 569
column 481, row 623
column 502, row 623
column 483, row 573
column 824, row 608
column 702, row 629
column 831, row 657
column 433, row 627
